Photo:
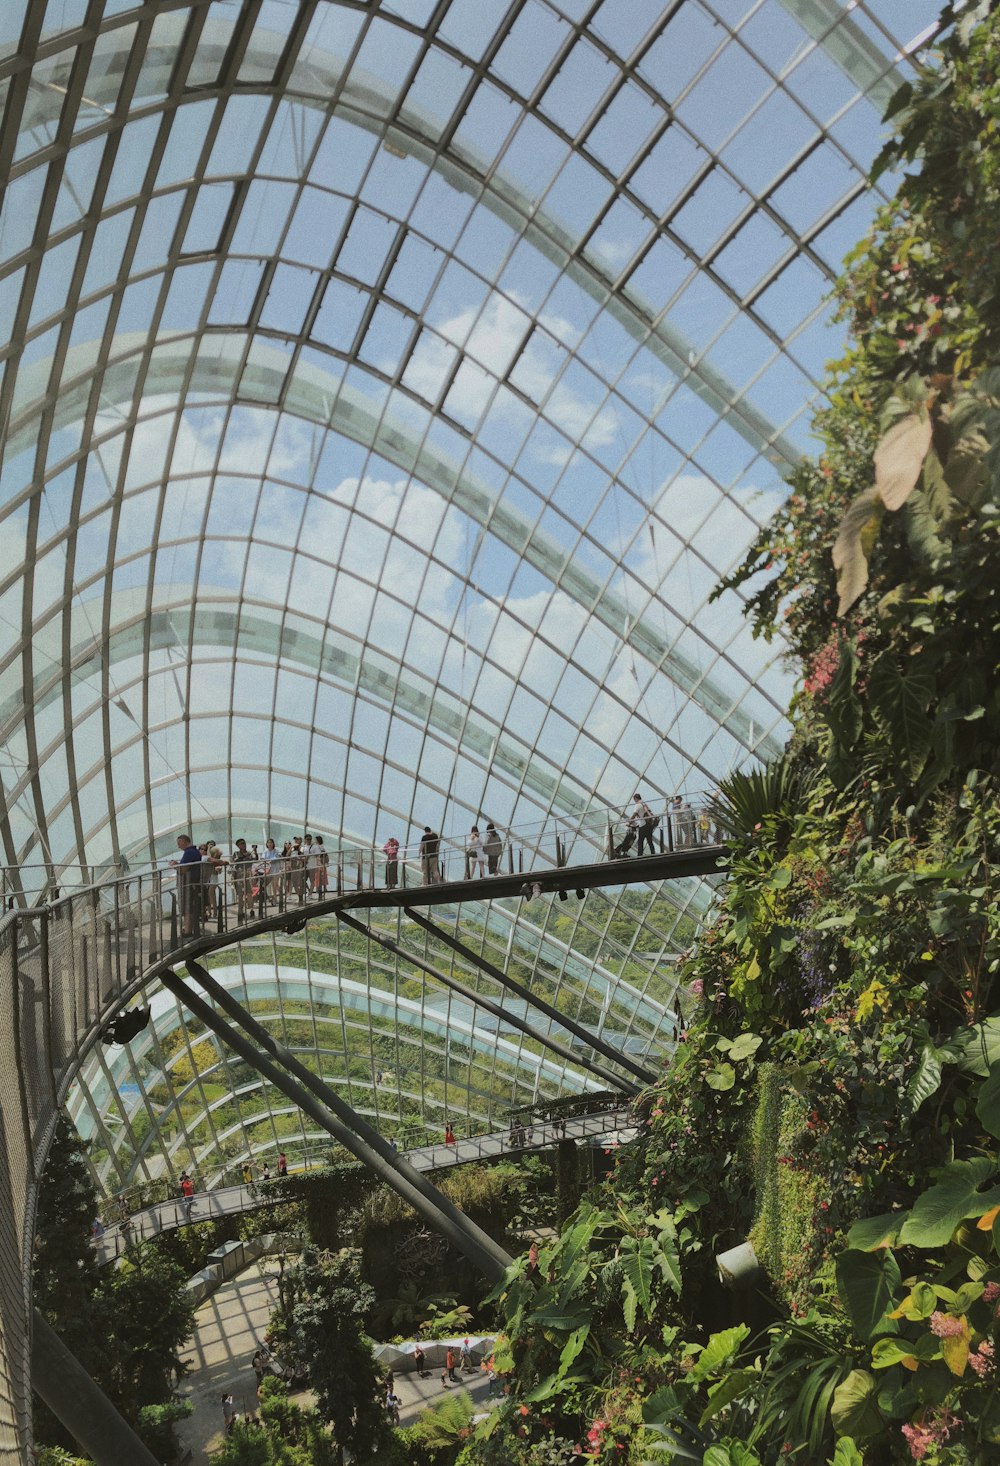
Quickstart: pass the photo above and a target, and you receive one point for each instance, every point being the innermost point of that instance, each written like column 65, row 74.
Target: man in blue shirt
column 188, row 886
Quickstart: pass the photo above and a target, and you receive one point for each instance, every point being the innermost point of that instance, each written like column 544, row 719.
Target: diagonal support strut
column 608, row 1076
column 323, row 1105
column 593, row 1040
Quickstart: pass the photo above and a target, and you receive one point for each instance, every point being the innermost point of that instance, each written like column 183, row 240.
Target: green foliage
column 125, row 1324
column 774, row 795
column 284, row 1434
column 325, row 1303
column 439, row 1434
column 155, row 1425
column 65, row 1275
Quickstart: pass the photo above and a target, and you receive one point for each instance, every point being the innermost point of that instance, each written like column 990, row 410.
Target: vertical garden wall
column 836, row 1099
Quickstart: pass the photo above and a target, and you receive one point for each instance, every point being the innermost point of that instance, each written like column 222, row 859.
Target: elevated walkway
column 225, row 1201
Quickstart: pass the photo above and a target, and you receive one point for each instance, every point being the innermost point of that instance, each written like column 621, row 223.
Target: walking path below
column 228, row 1328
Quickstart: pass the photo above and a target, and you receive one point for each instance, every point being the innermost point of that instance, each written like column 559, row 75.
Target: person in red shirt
column 449, row 1134
column 282, row 1164
column 187, row 1191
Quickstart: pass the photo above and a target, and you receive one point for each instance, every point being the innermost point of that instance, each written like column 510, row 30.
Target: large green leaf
column 733, row 1387
column 722, row 1077
column 876, row 1232
column 899, row 703
column 853, row 546
column 900, row 456
column 662, row 1405
column 855, row 1409
column 720, row 1348
column 988, row 1103
column 925, row 1080
column 976, row 1049
column 665, row 1254
column 935, row 1215
column 638, row 1262
column 867, row 1283
column 847, row 1453
column 747, row 1043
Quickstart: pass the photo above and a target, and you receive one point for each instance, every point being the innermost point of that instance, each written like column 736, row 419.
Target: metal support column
column 581, row 1061
column 593, row 1040
column 80, row 1404
column 335, row 1116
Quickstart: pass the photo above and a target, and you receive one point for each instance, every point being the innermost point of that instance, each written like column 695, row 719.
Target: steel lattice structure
column 386, row 386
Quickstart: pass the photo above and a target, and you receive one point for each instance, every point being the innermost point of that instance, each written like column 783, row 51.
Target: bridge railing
column 266, row 881
column 174, row 1211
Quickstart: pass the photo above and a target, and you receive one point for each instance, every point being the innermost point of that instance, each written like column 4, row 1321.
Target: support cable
column 335, row 1116
column 579, row 1061
column 593, row 1040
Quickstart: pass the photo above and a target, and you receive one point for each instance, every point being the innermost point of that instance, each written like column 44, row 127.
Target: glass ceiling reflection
column 388, row 385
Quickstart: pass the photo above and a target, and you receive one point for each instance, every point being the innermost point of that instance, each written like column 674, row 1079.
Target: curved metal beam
column 327, row 1109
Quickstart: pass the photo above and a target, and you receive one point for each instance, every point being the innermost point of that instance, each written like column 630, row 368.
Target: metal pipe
column 334, row 1115
column 593, row 1040
column 481, row 1001
column 80, row 1404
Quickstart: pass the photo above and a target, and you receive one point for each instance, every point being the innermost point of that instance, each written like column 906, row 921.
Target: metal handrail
column 555, row 842
column 174, row 1212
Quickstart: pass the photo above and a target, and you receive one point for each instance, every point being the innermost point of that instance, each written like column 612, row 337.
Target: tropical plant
column 408, row 1311
column 441, row 1431
column 774, row 794
column 323, row 1313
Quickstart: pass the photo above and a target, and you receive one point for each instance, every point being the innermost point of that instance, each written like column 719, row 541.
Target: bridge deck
column 166, row 1216
column 672, row 865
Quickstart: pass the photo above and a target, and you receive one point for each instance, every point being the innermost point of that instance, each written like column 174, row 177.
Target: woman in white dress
column 477, row 853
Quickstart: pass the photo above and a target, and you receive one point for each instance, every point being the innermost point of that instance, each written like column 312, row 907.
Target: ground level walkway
column 228, row 1329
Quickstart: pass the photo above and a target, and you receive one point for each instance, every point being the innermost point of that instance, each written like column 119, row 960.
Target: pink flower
column 991, row 1292
column 918, row 1440
column 698, row 987
column 983, row 1361
column 944, row 1326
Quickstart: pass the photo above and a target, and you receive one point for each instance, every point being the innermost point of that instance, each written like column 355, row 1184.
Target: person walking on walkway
column 477, row 853
column 187, row 1192
column 449, row 1134
column 493, row 845
column 242, row 865
column 282, row 1164
column 645, row 823
column 430, row 869
column 228, row 1413
column 188, row 886
column 391, row 852
column 628, row 840
column 449, row 1364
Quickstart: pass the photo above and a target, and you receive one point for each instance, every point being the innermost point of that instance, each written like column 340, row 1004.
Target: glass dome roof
column 386, row 388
